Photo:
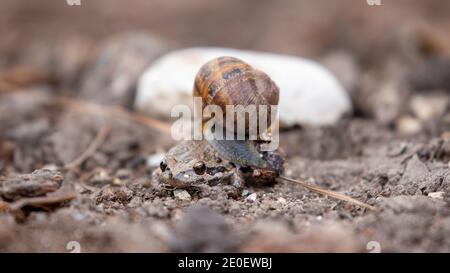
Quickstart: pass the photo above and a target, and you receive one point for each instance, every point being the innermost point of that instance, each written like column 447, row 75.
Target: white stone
column 155, row 159
column 309, row 93
column 437, row 195
column 409, row 125
column 182, row 195
column 51, row 167
column 251, row 198
column 428, row 107
column 135, row 202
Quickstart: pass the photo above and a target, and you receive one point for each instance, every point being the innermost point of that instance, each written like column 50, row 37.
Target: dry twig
column 330, row 193
column 99, row 139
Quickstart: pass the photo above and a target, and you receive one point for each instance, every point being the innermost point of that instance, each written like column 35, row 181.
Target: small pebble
column 182, row 195
column 245, row 193
column 101, row 178
column 155, row 159
column 51, row 167
column 281, row 200
column 123, row 173
column 117, row 182
column 428, row 107
column 437, row 195
column 251, row 198
column 396, row 149
column 409, row 125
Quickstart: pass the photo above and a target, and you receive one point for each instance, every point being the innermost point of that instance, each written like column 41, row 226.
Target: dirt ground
column 77, row 164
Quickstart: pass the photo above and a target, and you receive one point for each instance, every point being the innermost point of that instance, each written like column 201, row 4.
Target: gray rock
column 113, row 76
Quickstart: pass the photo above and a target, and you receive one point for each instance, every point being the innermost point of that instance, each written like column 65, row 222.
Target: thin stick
column 330, row 193
column 101, row 136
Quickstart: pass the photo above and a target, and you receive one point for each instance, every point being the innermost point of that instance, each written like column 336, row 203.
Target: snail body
column 228, row 81
column 240, row 152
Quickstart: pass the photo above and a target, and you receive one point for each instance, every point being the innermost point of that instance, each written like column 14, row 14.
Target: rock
column 37, row 183
column 434, row 74
column 344, row 66
column 117, row 182
column 100, row 177
column 409, row 125
column 203, row 230
column 387, row 102
column 113, row 76
column 437, row 195
column 309, row 94
column 182, row 195
column 426, row 107
column 245, row 192
column 154, row 159
column 51, row 167
column 59, row 58
column 396, row 149
column 418, row 179
column 383, row 92
column 415, row 170
column 251, row 198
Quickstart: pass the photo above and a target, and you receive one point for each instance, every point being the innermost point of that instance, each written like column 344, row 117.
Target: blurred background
column 398, row 39
column 303, row 27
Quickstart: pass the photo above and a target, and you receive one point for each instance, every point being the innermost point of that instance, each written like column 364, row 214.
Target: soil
column 77, row 164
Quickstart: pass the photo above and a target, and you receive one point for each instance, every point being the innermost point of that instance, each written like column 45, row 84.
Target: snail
column 228, row 81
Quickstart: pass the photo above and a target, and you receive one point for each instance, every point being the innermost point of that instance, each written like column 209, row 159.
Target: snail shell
column 230, row 81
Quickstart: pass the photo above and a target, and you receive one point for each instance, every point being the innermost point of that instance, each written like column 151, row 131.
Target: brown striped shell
column 230, row 81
